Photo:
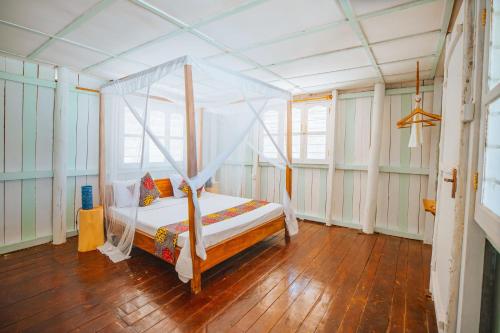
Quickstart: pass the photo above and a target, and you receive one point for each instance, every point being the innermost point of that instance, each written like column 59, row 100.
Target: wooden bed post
column 191, row 172
column 288, row 173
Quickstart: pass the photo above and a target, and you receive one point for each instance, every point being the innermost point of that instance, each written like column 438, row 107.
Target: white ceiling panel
column 424, row 75
column 258, row 30
column 335, row 77
column 324, row 63
column 116, row 69
column 335, row 38
column 406, row 48
column 282, row 85
column 407, row 66
column 411, row 21
column 341, row 85
column 119, row 27
column 171, row 48
column 69, row 55
column 260, row 74
column 194, row 11
column 230, row 62
column 90, row 81
column 18, row 41
column 363, row 6
column 49, row 16
column 272, row 19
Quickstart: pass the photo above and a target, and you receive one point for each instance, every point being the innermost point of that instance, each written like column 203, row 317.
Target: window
column 487, row 211
column 491, row 178
column 309, row 123
column 157, row 121
column 274, row 122
column 132, row 139
column 316, row 132
column 168, row 128
column 296, row 133
column 176, row 136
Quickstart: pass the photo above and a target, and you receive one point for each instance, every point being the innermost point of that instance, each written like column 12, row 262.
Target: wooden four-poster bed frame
column 229, row 247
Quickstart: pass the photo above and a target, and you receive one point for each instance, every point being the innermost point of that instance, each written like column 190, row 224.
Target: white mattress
column 172, row 210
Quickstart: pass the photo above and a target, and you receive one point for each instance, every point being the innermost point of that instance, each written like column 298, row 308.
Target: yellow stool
column 91, row 225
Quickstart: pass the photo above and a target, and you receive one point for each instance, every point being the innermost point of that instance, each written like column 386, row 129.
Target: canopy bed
column 202, row 229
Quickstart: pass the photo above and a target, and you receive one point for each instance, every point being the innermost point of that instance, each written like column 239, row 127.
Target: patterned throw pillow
column 184, row 187
column 149, row 191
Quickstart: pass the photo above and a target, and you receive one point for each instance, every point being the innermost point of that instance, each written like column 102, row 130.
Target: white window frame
column 304, row 132
column 167, row 136
column 280, row 134
column 487, row 220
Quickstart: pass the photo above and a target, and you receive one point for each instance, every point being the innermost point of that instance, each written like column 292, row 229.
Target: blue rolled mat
column 87, row 197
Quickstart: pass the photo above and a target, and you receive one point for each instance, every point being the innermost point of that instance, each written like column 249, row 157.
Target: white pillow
column 123, row 192
column 176, row 181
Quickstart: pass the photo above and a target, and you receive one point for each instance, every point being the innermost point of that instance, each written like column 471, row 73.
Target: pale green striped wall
column 26, row 112
column 404, row 171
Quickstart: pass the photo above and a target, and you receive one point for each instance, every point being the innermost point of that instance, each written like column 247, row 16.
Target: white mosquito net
column 145, row 130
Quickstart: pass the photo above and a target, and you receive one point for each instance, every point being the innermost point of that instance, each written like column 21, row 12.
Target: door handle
column 453, row 181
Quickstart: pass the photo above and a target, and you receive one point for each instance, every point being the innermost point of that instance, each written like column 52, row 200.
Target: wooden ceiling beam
column 356, row 27
column 448, row 9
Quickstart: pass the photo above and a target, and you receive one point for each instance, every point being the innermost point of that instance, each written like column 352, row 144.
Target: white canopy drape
column 230, row 104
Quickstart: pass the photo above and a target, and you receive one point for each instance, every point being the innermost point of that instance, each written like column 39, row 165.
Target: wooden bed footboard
column 224, row 250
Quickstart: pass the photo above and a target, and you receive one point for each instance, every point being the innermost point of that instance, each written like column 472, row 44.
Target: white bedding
column 172, row 210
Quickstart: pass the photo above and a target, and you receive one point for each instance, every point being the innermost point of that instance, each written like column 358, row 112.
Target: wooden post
column 288, row 173
column 369, row 211
column 191, row 172
column 332, row 131
column 60, row 158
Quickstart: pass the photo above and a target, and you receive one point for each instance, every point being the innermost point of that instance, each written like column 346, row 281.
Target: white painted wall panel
column 12, row 100
column 93, row 133
column 13, row 151
column 2, row 117
column 44, row 142
column 390, row 206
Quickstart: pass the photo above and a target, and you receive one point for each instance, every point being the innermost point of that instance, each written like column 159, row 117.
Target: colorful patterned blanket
column 166, row 236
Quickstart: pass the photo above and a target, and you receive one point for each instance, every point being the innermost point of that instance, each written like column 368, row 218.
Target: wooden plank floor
column 327, row 279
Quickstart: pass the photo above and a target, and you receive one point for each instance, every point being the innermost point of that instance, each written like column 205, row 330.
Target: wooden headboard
column 165, row 187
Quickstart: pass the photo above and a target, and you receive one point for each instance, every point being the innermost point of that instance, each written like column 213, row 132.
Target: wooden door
column 451, row 132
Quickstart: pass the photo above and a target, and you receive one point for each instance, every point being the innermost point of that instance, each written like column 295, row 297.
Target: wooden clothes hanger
column 426, row 118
